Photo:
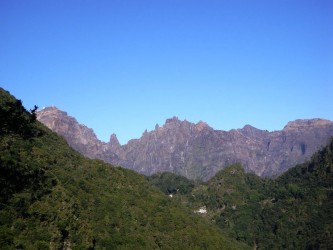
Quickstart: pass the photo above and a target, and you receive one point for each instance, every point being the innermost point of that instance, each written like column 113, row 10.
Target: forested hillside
column 51, row 197
column 54, row 198
column 294, row 211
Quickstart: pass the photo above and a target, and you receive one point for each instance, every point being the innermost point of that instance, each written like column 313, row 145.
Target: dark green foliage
column 302, row 214
column 295, row 211
column 19, row 170
column 232, row 199
column 14, row 119
column 54, row 198
column 170, row 183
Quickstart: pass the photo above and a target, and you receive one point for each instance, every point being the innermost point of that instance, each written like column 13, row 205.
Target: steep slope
column 197, row 151
column 302, row 212
column 78, row 136
column 53, row 198
column 294, row 211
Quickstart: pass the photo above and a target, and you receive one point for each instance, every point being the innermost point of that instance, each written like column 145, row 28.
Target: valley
column 52, row 197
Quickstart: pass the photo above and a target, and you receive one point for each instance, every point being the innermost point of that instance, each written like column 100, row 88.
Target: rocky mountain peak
column 251, row 131
column 172, row 122
column 50, row 112
column 197, row 151
column 174, row 119
column 202, row 125
column 306, row 123
column 248, row 127
column 52, row 109
column 78, row 136
column 114, row 142
column 157, row 126
column 55, row 118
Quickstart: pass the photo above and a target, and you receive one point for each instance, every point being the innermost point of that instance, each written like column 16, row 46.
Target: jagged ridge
column 197, row 151
column 51, row 197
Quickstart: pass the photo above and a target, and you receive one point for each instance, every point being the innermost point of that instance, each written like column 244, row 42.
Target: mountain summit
column 197, row 151
column 51, row 197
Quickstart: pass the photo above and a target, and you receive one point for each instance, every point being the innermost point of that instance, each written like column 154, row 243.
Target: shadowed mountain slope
column 51, row 197
column 197, row 151
column 294, row 211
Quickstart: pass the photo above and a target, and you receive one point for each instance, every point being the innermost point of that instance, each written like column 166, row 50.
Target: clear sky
column 121, row 66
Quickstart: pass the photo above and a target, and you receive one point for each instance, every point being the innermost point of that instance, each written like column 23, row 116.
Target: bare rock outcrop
column 197, row 151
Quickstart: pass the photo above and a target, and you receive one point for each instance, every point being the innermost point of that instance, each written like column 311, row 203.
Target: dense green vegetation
column 54, row 198
column 295, row 211
column 302, row 213
column 170, row 183
column 51, row 197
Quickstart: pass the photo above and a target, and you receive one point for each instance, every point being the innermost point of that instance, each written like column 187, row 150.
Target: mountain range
column 51, row 197
column 197, row 151
column 292, row 211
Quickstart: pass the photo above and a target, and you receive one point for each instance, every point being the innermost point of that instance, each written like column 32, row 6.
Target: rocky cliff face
column 197, row 150
column 78, row 136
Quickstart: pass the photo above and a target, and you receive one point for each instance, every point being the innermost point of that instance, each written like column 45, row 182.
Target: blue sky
column 122, row 66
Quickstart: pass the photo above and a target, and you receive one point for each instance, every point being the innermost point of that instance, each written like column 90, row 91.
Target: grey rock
column 197, row 151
